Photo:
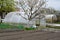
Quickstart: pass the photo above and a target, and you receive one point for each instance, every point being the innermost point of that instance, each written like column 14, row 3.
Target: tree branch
column 38, row 8
column 23, row 17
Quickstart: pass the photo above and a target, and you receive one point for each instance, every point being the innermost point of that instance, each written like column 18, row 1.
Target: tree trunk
column 1, row 14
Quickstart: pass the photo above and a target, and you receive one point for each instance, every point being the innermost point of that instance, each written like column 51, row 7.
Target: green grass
column 8, row 26
column 19, row 26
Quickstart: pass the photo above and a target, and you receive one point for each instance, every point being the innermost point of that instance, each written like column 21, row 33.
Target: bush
column 30, row 28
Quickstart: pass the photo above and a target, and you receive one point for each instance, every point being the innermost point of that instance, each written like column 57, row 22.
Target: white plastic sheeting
column 14, row 17
column 51, row 18
column 43, row 22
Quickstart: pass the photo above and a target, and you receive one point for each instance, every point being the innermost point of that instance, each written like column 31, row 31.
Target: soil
column 30, row 35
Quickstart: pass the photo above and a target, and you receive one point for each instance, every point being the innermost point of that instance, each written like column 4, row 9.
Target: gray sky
column 54, row 4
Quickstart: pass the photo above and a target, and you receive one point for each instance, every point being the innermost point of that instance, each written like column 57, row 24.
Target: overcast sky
column 54, row 4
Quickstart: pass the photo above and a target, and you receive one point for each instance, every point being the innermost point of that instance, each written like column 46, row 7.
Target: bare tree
column 32, row 8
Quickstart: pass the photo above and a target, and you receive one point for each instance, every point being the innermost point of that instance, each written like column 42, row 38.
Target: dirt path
column 30, row 35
